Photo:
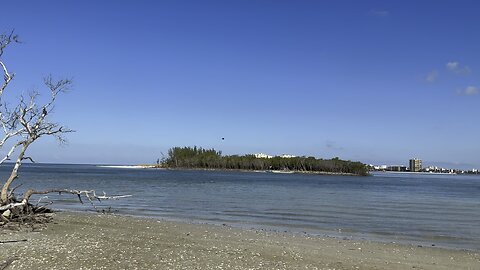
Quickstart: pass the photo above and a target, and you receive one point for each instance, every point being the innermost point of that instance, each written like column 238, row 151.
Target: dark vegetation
column 200, row 158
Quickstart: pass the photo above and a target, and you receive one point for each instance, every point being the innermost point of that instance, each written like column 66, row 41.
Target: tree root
column 20, row 214
column 30, row 218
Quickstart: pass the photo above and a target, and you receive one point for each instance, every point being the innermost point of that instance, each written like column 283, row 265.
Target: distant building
column 287, row 156
column 415, row 165
column 396, row 168
column 379, row 167
column 262, row 155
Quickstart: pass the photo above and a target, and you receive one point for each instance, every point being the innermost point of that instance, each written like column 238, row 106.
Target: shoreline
column 227, row 170
column 264, row 171
column 415, row 173
column 101, row 241
column 128, row 166
column 340, row 234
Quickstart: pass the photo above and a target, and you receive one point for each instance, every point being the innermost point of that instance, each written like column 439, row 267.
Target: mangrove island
column 200, row 158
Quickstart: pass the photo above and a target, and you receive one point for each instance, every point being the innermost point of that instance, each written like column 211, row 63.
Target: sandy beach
column 99, row 241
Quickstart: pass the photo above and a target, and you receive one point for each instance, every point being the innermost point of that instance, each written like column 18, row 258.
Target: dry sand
column 94, row 241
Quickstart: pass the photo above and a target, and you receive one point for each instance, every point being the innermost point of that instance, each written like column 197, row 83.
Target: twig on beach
column 13, row 241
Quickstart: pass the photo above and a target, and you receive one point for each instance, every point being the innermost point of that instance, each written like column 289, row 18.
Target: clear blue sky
column 375, row 81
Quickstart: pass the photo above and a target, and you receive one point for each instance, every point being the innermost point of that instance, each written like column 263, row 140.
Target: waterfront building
column 287, row 156
column 397, row 168
column 262, row 155
column 415, row 165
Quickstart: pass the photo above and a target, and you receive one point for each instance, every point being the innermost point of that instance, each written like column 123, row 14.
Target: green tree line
column 198, row 157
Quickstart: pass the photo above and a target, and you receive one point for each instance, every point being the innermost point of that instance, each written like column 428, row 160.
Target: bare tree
column 24, row 124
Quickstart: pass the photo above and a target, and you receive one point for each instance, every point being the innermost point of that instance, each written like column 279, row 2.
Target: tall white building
column 415, row 165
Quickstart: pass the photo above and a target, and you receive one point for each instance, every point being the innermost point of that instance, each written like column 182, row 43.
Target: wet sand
column 94, row 241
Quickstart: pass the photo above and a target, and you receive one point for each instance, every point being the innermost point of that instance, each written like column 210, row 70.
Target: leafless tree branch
column 5, row 40
column 29, row 158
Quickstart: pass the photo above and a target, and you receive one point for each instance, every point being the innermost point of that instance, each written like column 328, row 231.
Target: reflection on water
column 420, row 209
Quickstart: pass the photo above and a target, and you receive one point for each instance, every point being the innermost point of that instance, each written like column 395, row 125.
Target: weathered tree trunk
column 13, row 175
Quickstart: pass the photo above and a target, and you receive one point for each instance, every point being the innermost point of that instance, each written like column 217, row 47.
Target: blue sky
column 375, row 81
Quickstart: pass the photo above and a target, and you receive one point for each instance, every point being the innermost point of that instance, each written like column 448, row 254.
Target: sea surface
column 419, row 209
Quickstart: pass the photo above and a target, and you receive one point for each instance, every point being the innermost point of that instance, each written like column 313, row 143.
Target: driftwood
column 89, row 194
column 22, row 211
column 13, row 241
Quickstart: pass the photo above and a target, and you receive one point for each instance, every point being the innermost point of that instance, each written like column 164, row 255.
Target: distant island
column 200, row 158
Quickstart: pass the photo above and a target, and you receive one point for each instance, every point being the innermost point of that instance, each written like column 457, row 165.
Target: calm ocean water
column 441, row 210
